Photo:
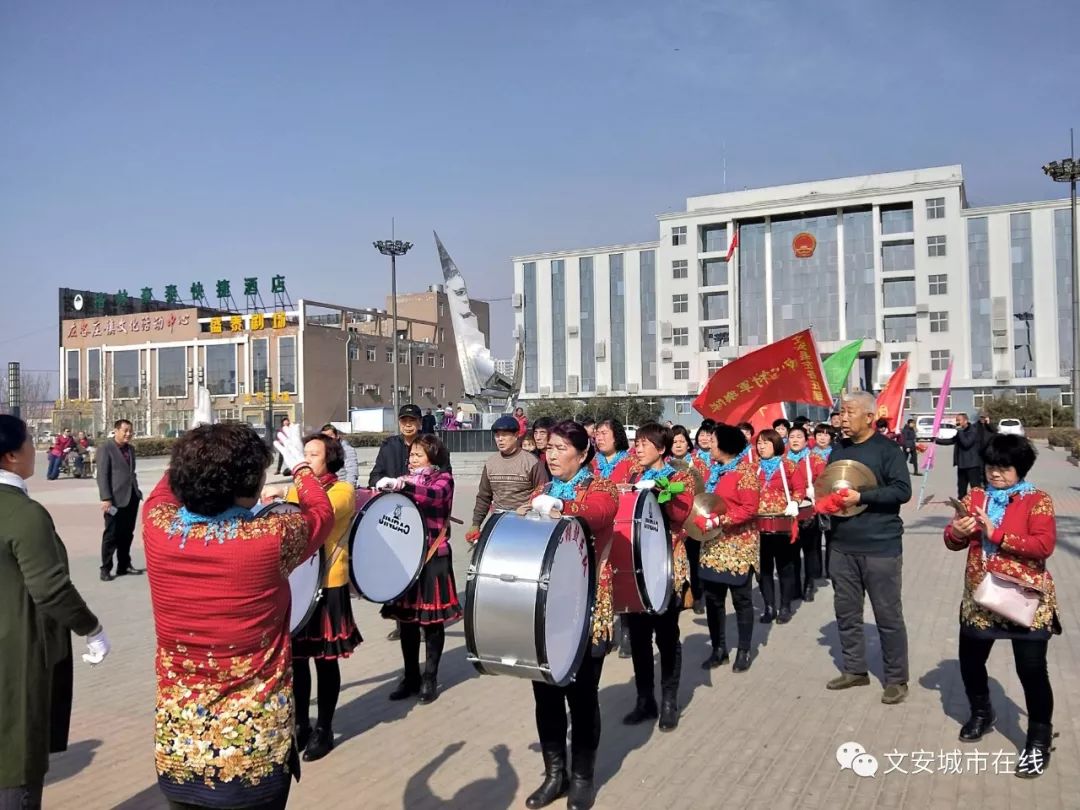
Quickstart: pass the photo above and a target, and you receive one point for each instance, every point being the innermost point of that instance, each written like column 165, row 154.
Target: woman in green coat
column 39, row 609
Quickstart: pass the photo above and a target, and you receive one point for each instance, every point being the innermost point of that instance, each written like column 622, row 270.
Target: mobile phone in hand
column 961, row 510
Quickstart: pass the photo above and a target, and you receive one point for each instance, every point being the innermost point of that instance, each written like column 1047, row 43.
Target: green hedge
column 1063, row 437
column 155, row 446
column 366, row 439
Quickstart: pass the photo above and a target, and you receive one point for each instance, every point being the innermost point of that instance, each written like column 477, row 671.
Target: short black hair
column 746, row 426
column 729, row 439
column 544, row 423
column 824, row 428
column 571, row 431
column 117, row 424
column 284, row 419
column 680, row 430
column 773, row 438
column 1006, row 450
column 617, row 429
column 335, row 455
column 881, row 423
column 707, row 426
column 331, row 428
column 435, row 451
column 778, row 422
column 800, row 428
column 13, row 433
column 834, row 413
column 588, row 420
column 661, row 437
column 213, row 465
column 800, row 420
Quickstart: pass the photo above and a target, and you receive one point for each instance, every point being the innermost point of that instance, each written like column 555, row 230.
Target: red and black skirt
column 331, row 631
column 432, row 599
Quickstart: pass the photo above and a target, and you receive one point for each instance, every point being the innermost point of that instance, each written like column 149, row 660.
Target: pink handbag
column 1009, row 598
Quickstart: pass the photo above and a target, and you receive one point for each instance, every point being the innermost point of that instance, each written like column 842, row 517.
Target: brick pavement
column 764, row 739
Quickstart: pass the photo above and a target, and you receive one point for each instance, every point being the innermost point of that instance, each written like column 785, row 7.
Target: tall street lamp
column 1067, row 171
column 394, row 248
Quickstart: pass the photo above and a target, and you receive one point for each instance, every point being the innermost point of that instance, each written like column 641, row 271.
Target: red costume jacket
column 736, row 550
column 773, row 499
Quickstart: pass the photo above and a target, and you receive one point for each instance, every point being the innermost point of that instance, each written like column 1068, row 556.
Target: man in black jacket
column 967, row 455
column 393, row 458
column 427, row 426
column 118, row 488
column 909, row 440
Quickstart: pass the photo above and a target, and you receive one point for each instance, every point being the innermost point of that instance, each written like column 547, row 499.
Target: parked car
column 631, row 433
column 1011, row 426
column 924, row 427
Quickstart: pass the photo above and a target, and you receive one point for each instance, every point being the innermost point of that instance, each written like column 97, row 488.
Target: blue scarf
column 996, row 502
column 220, row 527
column 652, row 474
column 770, row 466
column 566, row 490
column 746, row 451
column 822, row 452
column 719, row 469
column 704, row 455
column 606, row 467
column 799, row 456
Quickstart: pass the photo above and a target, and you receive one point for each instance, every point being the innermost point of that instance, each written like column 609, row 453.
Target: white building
column 898, row 259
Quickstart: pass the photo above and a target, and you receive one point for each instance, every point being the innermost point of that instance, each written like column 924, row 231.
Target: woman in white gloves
column 39, row 610
column 783, row 485
column 575, row 492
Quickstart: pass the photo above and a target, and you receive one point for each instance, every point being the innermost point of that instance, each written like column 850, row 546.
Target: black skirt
column 331, row 631
column 432, row 599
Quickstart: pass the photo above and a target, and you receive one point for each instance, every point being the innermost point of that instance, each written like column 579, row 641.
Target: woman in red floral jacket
column 783, row 486
column 1009, row 531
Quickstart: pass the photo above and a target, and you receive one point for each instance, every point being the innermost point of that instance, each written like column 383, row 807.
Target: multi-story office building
column 898, row 259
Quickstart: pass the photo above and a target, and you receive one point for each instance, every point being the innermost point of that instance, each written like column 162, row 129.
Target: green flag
column 838, row 366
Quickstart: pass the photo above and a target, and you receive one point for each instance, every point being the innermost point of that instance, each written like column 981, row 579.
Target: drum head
column 654, row 546
column 304, row 583
column 273, row 508
column 386, row 547
column 568, row 603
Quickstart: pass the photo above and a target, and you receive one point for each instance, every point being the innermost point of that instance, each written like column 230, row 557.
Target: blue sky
column 152, row 142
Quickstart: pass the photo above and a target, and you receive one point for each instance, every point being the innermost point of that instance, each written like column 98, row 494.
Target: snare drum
column 529, row 598
column 387, row 546
column 641, row 556
column 305, row 581
column 774, row 524
column 806, row 513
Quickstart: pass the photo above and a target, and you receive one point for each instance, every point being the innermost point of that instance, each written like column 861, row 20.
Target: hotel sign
column 166, row 322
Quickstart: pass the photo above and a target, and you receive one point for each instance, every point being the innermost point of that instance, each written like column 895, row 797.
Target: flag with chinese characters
column 764, row 416
column 788, row 370
column 890, row 402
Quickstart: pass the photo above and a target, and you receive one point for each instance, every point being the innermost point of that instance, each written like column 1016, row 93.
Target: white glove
column 97, row 647
column 291, row 446
column 644, row 484
column 792, row 509
column 203, row 413
column 545, row 504
column 389, row 484
column 809, row 493
column 712, row 521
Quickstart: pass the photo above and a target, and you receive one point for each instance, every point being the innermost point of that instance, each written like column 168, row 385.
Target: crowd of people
column 218, row 576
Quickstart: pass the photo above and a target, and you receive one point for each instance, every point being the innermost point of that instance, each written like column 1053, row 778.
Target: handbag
column 1008, row 598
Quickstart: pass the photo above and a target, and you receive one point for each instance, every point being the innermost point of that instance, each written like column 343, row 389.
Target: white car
column 631, row 432
column 1011, row 427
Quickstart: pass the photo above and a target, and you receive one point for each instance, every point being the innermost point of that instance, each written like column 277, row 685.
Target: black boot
column 645, row 709
column 742, row 661
column 555, row 779
column 1035, row 758
column 303, row 735
column 322, row 743
column 699, row 607
column 429, row 689
column 669, row 710
column 981, row 720
column 405, row 689
column 624, row 640
column 718, row 658
column 809, row 591
column 582, row 794
column 767, row 615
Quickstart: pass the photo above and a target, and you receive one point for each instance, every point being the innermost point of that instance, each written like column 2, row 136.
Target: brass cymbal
column 705, row 504
column 846, row 474
column 682, row 465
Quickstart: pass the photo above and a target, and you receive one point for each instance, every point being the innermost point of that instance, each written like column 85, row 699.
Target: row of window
column 419, row 358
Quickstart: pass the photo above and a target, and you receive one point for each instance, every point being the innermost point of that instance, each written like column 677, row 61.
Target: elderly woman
column 39, row 610
column 220, row 594
column 1008, row 530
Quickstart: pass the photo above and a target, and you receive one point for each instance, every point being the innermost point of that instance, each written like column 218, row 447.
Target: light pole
column 1067, row 171
column 14, row 390
column 393, row 248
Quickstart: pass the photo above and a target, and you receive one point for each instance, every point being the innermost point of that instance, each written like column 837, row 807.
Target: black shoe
column 107, row 577
column 981, row 720
column 132, row 572
column 699, row 607
column 718, row 658
column 808, row 593
column 784, row 616
column 429, row 689
column 742, row 661
column 394, row 634
column 582, row 794
column 322, row 743
column 644, row 710
column 303, row 736
column 1034, row 759
column 669, row 711
column 405, row 689
column 767, row 617
column 555, row 781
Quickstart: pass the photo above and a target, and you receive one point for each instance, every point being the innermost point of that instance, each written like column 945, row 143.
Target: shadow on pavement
column 77, row 757
column 496, row 791
column 830, row 637
column 945, row 679
column 150, row 798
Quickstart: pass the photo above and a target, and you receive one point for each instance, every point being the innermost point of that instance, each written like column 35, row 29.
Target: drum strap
column 438, row 542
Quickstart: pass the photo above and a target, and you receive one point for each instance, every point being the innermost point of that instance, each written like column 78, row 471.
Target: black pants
column 693, row 557
column 434, row 641
column 968, row 477
column 810, row 545
column 742, row 599
column 778, row 553
column 1030, row 658
column 854, row 577
column 23, row 797
column 329, row 676
column 273, row 804
column 119, row 532
column 582, row 696
column 913, row 457
column 666, row 627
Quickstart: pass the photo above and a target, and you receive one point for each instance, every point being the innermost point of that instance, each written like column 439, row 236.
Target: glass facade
column 617, row 312
column 1023, row 294
column 172, row 372
column 588, row 323
column 93, row 373
column 125, row 382
column 558, row 325
column 714, row 338
column 647, row 259
column 860, row 294
column 897, row 256
column 805, row 292
column 72, row 374
column 286, row 360
column 714, row 239
column 714, row 306
column 532, row 372
column 1063, row 273
column 898, row 293
column 751, row 256
column 898, row 220
column 221, row 369
column 899, row 328
column 260, row 362
column 713, row 273
column 982, row 352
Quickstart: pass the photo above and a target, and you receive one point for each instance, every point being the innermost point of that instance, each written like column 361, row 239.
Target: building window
column 558, row 326
column 647, row 292
column 72, row 374
column 354, row 352
column 896, row 359
column 907, row 403
column 935, row 208
column 126, row 374
column 442, row 361
column 440, row 335
column 442, row 309
column 680, row 303
column 897, row 219
column 680, row 268
column 899, row 328
column 221, row 369
column 939, row 359
column 260, row 363
column 713, row 366
column 682, row 371
column 389, row 355
column 714, row 338
column 678, row 235
column 430, row 360
column 935, row 246
column 898, row 292
column 1066, row 398
column 532, row 345
column 93, row 373
column 978, row 294
column 419, row 359
column 860, row 288
column 371, row 355
column 617, row 319
column 1023, row 294
column 936, row 398
column 1026, row 394
column 981, row 398
column 939, row 321
column 286, row 359
column 898, row 256
column 442, row 391
column 714, row 306
column 793, row 306
column 939, row 284
column 714, row 239
column 680, row 335
column 683, row 406
column 714, row 273
column 587, row 319
column 172, row 372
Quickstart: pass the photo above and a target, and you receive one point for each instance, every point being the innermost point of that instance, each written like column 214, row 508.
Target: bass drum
column 529, row 598
column 642, row 564
column 305, row 581
column 386, row 546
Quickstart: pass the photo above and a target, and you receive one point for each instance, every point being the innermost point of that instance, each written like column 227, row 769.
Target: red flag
column 890, row 402
column 788, row 370
column 764, row 416
column 734, row 244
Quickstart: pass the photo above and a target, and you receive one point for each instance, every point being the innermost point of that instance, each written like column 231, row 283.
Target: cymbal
column 681, row 465
column 705, row 504
column 846, row 474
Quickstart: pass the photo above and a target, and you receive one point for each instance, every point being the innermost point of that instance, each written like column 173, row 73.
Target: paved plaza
column 764, row 739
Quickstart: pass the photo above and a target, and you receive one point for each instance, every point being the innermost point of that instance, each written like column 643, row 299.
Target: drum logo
column 394, row 522
column 651, row 523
